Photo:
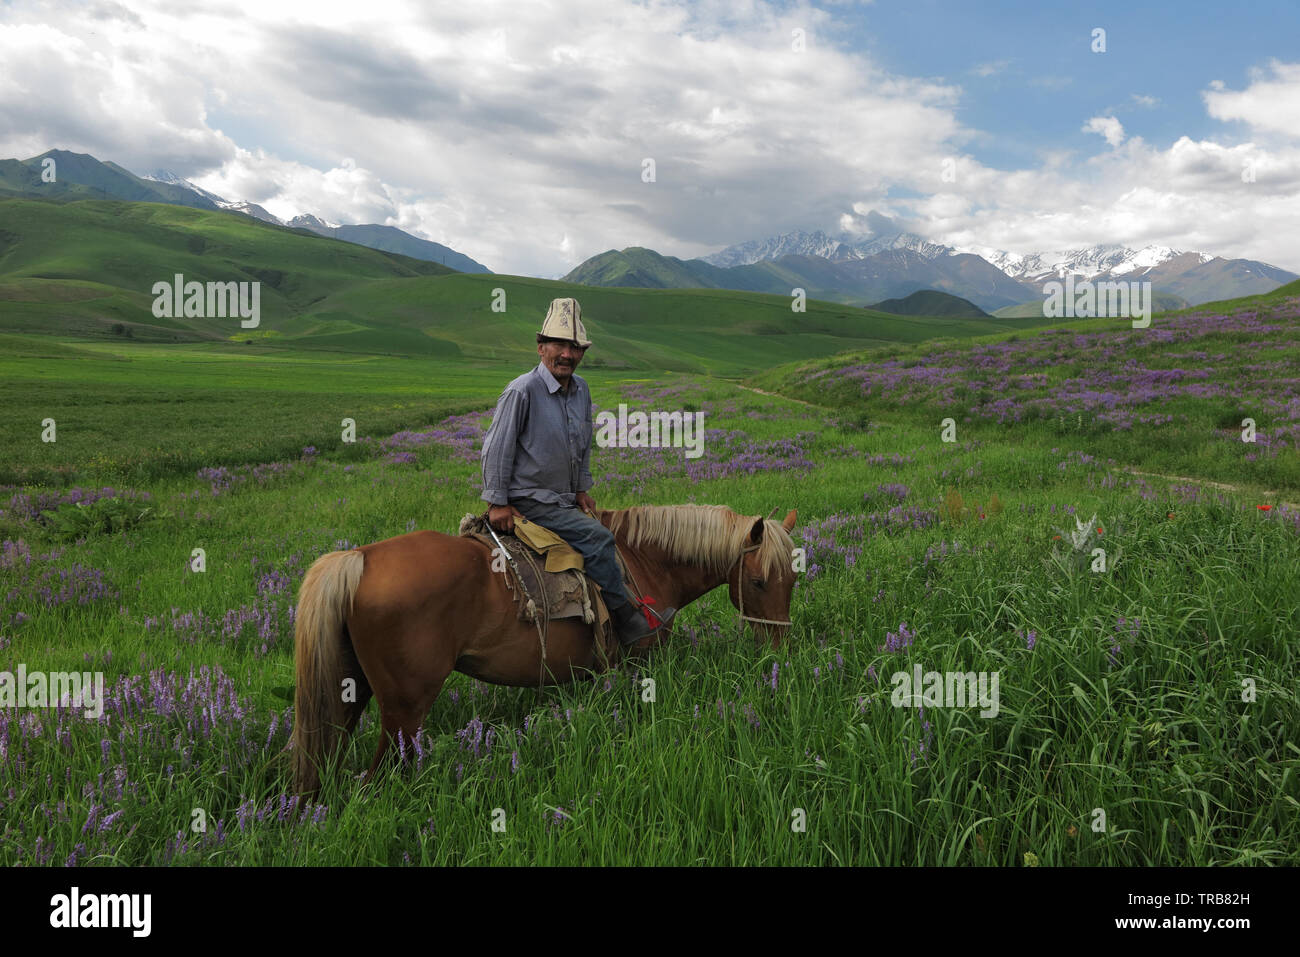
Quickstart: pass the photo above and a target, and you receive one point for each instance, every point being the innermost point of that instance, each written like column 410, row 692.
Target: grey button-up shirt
column 539, row 444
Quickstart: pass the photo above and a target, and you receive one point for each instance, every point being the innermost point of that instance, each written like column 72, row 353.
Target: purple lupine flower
column 896, row 641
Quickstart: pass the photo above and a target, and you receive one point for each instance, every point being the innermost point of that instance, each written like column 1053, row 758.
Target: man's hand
column 585, row 502
column 502, row 517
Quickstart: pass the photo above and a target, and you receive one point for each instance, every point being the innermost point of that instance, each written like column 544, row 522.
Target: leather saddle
column 544, row 572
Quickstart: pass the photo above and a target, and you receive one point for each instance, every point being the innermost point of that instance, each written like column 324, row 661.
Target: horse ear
column 789, row 520
column 756, row 533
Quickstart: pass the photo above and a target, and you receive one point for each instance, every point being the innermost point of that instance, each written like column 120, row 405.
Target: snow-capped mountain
column 893, row 262
column 170, row 178
column 797, row 243
column 251, row 209
column 909, row 241
column 818, row 243
column 242, row 206
column 1090, row 262
column 314, row 223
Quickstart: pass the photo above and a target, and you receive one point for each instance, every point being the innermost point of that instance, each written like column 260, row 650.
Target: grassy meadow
column 1147, row 712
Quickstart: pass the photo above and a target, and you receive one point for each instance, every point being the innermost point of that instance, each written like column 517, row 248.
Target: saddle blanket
column 552, row 589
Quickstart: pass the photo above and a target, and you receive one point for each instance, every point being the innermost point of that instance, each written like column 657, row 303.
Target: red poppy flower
column 1264, row 508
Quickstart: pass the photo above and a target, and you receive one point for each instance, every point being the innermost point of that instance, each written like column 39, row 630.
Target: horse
column 394, row 618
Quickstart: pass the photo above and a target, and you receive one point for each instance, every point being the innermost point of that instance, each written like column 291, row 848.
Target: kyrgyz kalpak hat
column 564, row 321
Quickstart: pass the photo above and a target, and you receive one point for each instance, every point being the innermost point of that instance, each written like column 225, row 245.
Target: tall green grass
column 1147, row 726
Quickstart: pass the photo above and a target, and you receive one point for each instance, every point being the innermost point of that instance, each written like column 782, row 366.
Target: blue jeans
column 587, row 536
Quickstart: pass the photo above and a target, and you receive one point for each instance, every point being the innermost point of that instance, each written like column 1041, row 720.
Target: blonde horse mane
column 709, row 535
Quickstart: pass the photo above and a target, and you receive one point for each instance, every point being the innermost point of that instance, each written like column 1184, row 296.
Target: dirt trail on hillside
column 1199, row 481
column 784, row 398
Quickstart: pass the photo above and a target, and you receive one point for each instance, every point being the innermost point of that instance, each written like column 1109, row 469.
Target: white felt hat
column 564, row 321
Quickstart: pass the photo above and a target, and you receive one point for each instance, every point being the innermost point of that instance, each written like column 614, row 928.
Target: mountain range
column 81, row 176
column 893, row 263
column 888, row 263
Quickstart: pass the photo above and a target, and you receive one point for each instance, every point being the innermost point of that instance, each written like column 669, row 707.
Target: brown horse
column 395, row 618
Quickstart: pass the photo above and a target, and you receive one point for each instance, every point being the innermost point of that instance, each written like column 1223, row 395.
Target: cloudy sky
column 517, row 132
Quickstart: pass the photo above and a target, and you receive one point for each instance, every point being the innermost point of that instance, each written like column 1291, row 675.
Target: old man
column 537, row 456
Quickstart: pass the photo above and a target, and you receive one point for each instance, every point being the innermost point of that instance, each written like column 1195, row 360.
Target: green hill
column 811, row 380
column 931, row 302
column 81, row 176
column 701, row 330
column 393, row 240
column 1273, row 296
column 80, row 267
column 858, row 282
column 638, row 267
column 87, row 268
column 1163, row 302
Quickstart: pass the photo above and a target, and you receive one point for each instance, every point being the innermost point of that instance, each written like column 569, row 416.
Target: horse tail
column 319, row 637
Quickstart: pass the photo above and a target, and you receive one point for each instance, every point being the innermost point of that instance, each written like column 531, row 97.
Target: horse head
column 762, row 580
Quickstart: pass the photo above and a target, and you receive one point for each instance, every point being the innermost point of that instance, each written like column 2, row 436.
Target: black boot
column 631, row 626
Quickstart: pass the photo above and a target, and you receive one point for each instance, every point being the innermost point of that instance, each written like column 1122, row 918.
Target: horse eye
column 757, row 583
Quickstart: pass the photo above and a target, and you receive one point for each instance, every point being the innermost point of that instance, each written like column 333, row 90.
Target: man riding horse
column 537, row 456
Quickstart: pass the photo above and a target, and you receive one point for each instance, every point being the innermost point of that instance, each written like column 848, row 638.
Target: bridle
column 740, row 592
column 739, row 564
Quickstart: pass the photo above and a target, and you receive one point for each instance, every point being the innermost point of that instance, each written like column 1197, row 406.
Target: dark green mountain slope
column 931, row 302
column 79, row 175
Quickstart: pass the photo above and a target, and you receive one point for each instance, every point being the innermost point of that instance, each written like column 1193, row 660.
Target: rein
column 740, row 593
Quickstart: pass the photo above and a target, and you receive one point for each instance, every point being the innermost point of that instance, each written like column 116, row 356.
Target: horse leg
column 404, row 702
column 355, row 709
column 399, row 724
column 404, row 720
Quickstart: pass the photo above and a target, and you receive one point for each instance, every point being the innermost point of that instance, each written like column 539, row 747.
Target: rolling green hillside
column 1173, row 395
column 81, row 267
column 392, row 240
column 81, row 176
column 700, row 330
column 1163, row 302
column 87, row 268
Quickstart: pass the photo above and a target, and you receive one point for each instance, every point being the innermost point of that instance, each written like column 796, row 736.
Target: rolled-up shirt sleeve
column 498, row 455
